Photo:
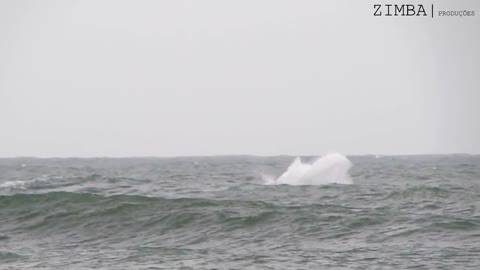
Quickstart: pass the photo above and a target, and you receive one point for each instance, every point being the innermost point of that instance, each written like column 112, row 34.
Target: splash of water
column 329, row 169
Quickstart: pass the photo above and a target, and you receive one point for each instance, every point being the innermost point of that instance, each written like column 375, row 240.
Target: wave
column 329, row 169
column 65, row 199
column 97, row 219
column 6, row 256
column 419, row 192
column 18, row 184
column 53, row 207
column 46, row 182
column 67, row 183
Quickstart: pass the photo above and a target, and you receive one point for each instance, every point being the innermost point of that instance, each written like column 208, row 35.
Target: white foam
column 329, row 169
column 25, row 184
column 13, row 184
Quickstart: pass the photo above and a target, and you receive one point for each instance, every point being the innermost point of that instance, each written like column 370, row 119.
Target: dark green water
column 403, row 212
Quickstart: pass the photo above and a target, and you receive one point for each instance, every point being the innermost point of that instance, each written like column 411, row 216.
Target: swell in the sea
column 134, row 215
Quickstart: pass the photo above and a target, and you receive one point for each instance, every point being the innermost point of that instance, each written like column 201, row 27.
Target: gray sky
column 177, row 78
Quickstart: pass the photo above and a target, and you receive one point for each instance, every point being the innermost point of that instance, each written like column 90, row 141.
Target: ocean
column 241, row 212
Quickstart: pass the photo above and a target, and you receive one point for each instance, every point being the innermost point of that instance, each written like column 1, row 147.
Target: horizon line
column 233, row 155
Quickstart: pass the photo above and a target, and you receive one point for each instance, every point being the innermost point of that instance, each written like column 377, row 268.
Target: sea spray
column 329, row 169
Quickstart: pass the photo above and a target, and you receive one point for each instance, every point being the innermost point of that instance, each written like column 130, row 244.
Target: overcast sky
column 182, row 78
